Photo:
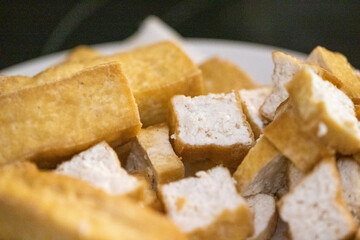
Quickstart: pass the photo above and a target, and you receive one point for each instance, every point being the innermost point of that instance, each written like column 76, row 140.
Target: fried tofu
column 262, row 170
column 325, row 111
column 338, row 65
column 152, row 152
column 285, row 67
column 155, row 73
column 208, row 207
column 212, row 127
column 44, row 205
column 100, row 167
column 251, row 101
column 315, row 208
column 287, row 134
column 221, row 76
column 55, row 120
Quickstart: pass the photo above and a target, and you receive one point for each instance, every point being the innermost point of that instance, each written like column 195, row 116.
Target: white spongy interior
column 285, row 67
column 253, row 99
column 337, row 104
column 100, row 166
column 211, row 119
column 263, row 207
column 205, row 198
column 312, row 210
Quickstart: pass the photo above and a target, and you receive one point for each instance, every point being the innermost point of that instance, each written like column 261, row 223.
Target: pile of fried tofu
column 144, row 144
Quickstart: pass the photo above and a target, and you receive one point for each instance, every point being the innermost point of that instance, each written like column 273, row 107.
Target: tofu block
column 285, row 67
column 265, row 216
column 53, row 121
column 100, row 167
column 315, row 208
column 155, row 74
column 212, row 127
column 152, row 152
column 251, row 101
column 293, row 140
column 222, row 76
column 262, row 170
column 44, row 205
column 338, row 65
column 327, row 112
column 208, row 207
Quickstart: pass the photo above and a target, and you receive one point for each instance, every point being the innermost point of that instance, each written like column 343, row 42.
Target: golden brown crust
column 9, row 84
column 44, row 205
column 338, row 65
column 152, row 152
column 221, row 76
column 56, row 120
column 82, row 53
column 155, row 73
column 248, row 176
column 288, row 136
column 312, row 113
column 230, row 225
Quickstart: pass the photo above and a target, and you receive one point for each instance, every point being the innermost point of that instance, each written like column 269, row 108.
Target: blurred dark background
column 29, row 29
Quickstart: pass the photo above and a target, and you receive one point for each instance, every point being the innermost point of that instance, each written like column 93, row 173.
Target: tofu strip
column 55, row 120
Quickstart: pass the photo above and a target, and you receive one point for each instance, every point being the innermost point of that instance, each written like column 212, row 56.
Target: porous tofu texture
column 100, row 167
column 197, row 202
column 211, row 119
column 315, row 209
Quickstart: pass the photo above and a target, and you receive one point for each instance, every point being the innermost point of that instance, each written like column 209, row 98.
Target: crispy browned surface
column 252, row 175
column 44, row 205
column 312, row 113
column 166, row 165
column 337, row 64
column 301, row 147
column 230, row 225
column 9, row 84
column 221, row 76
column 65, row 117
column 155, row 73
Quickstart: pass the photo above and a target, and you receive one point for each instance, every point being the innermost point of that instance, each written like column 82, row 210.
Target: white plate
column 255, row 59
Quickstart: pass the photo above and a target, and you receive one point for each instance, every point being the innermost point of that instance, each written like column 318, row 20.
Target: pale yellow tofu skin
column 338, row 65
column 155, row 73
column 44, row 205
column 153, row 149
column 59, row 119
column 9, row 84
column 82, row 53
column 221, row 76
